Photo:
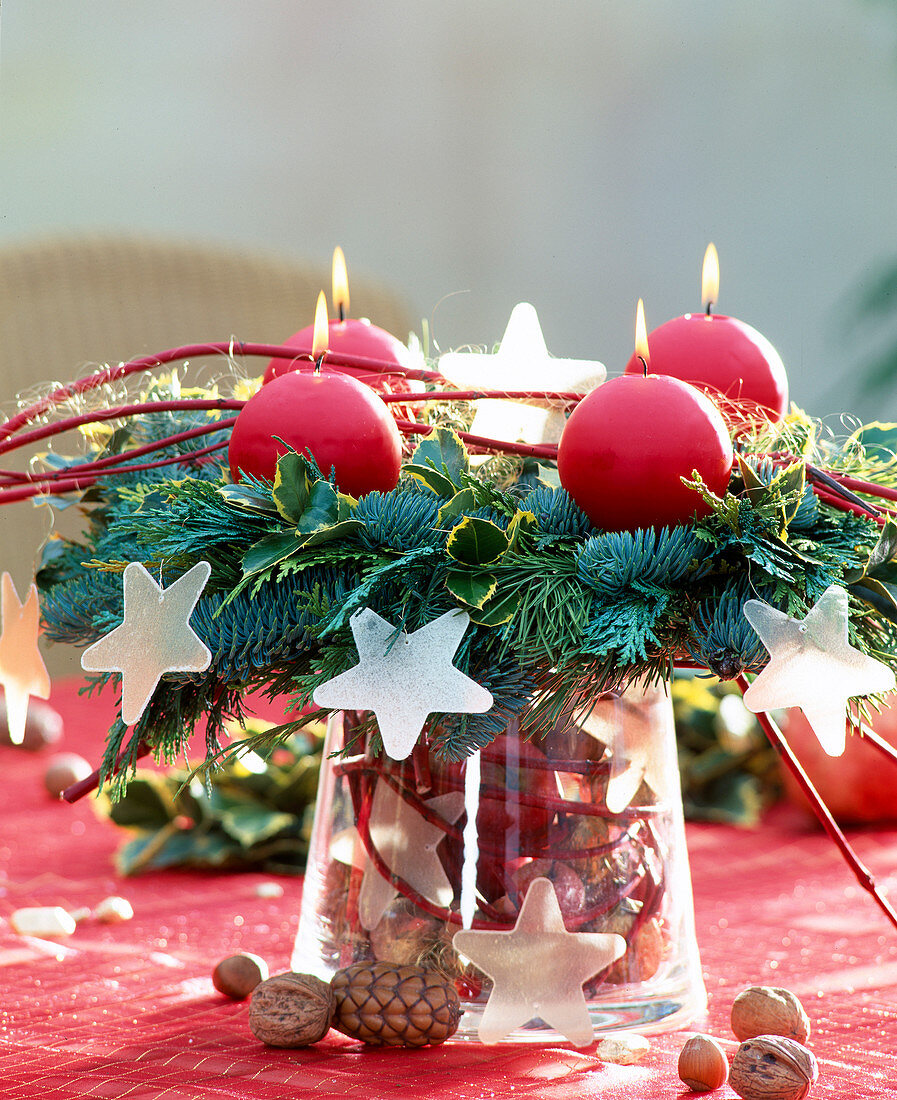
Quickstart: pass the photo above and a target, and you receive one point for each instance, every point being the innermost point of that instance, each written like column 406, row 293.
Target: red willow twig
column 228, row 348
column 863, row 875
column 77, row 482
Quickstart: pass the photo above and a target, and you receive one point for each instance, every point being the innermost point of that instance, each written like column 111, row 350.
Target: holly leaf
column 460, row 503
column 497, row 610
column 439, row 461
column 251, row 497
column 881, row 558
column 443, row 450
column 331, row 532
column 442, row 486
column 523, row 524
column 477, row 542
column 321, row 509
column 269, row 551
column 473, row 589
column 877, row 595
column 290, row 490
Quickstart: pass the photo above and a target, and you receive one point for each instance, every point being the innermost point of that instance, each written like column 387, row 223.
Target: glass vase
column 593, row 806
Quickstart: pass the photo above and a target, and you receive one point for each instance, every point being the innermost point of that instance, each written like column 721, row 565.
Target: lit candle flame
column 321, row 339
column 641, row 334
column 710, row 277
column 340, row 284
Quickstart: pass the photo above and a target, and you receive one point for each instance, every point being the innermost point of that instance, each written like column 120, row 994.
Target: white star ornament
column 22, row 669
column 403, row 678
column 522, row 362
column 155, row 637
column 407, row 843
column 812, row 665
column 538, row 968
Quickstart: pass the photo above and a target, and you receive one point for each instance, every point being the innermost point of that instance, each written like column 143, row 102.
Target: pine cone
column 388, row 1005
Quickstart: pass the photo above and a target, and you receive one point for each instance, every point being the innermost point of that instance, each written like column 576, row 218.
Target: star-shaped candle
column 407, row 843
column 812, row 665
column 403, row 678
column 155, row 637
column 538, row 968
column 522, row 363
column 22, row 669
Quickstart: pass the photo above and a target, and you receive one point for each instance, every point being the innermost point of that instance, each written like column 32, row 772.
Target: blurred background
column 473, row 155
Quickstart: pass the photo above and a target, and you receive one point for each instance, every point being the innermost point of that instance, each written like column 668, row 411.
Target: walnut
column 767, row 1010
column 291, row 1010
column 771, row 1067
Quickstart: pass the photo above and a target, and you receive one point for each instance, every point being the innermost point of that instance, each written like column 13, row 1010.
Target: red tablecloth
column 129, row 1010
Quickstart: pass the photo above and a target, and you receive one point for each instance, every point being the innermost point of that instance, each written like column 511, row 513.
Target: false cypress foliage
column 559, row 610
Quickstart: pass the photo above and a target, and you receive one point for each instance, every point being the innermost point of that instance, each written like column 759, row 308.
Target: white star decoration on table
column 403, row 678
column 155, row 637
column 522, row 362
column 538, row 968
column 22, row 669
column 812, row 665
column 407, row 843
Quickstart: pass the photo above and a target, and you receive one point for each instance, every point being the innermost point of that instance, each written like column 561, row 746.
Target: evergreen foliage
column 559, row 611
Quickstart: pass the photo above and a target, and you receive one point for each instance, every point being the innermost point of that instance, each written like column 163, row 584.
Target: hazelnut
column 765, row 1010
column 291, row 1010
column 237, row 975
column 64, row 769
column 702, row 1064
column 771, row 1067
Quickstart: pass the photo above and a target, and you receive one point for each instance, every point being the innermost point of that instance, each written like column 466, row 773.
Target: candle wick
column 341, row 311
column 319, row 362
column 644, row 363
column 709, row 308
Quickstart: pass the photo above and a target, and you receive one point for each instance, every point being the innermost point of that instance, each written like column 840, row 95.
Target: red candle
column 628, row 444
column 349, row 337
column 342, row 423
column 735, row 365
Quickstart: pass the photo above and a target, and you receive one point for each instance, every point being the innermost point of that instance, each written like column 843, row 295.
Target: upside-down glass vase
column 594, row 807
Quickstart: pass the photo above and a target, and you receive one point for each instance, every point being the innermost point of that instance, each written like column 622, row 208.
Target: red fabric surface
column 129, row 1010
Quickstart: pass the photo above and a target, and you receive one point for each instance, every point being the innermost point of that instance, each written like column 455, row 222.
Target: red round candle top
column 350, row 337
column 342, row 423
column 628, row 444
column 733, row 363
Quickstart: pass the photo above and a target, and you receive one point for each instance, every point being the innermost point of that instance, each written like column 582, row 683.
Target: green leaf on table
column 249, row 825
column 147, row 804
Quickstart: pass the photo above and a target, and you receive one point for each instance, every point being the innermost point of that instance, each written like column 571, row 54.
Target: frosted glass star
column 403, row 678
column 407, row 843
column 522, row 362
column 641, row 749
column 813, row 666
column 538, row 968
column 22, row 669
column 155, row 637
